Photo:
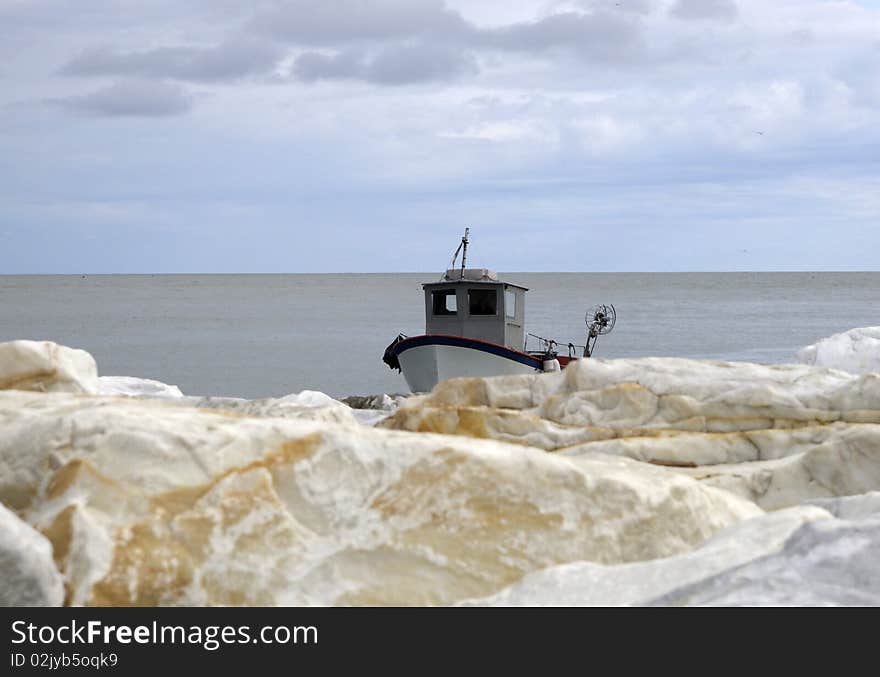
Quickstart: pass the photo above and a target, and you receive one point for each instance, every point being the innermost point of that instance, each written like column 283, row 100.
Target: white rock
column 773, row 468
column 47, row 367
column 28, row 576
column 166, row 499
column 371, row 409
column 369, row 417
column 824, row 563
column 674, row 394
column 683, row 449
column 856, row 351
column 851, row 507
column 776, row 435
column 130, row 386
column 590, row 584
column 159, row 503
column 308, row 404
column 795, row 557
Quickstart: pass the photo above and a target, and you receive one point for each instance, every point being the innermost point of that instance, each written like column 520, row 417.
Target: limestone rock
column 149, row 502
column 371, row 409
column 130, row 386
column 776, row 435
column 660, row 394
column 46, row 367
column 851, row 507
column 591, row 584
column 856, row 351
column 773, row 468
column 28, row 576
column 308, row 404
column 800, row 556
column 157, row 498
column 823, row 563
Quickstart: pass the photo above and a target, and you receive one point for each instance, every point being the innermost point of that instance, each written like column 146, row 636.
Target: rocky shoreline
column 642, row 481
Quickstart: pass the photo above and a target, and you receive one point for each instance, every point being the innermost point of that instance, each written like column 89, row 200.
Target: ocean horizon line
column 434, row 272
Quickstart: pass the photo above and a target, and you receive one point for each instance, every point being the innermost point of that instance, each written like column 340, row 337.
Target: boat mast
column 463, row 245
column 464, row 242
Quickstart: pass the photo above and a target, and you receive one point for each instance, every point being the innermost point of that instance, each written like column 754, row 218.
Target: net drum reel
column 600, row 320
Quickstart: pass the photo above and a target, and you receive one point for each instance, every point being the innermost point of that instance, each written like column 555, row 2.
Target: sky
column 217, row 136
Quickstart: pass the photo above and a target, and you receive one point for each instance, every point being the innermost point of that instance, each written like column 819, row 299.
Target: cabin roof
column 473, row 283
column 471, row 276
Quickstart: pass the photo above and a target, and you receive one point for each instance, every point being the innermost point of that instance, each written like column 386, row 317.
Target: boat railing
column 547, row 346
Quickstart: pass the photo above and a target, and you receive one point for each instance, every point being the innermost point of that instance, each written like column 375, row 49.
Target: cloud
column 704, row 9
column 132, row 98
column 312, row 66
column 416, row 63
column 389, row 42
column 607, row 31
column 599, row 36
column 323, row 23
column 228, row 61
column 549, row 130
column 393, row 65
column 629, row 6
column 602, row 36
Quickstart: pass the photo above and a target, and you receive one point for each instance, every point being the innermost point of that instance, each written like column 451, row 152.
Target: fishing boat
column 475, row 326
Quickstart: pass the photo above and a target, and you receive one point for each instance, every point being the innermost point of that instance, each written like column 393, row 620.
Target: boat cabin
column 474, row 303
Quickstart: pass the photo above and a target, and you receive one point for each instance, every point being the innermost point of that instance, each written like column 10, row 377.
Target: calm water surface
column 269, row 335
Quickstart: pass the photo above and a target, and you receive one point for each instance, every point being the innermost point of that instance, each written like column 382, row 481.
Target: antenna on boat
column 463, row 245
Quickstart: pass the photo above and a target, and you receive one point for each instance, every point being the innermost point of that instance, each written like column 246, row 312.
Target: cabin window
column 444, row 302
column 510, row 304
column 482, row 302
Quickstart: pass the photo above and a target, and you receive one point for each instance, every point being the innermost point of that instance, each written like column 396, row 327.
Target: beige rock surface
column 147, row 502
column 115, row 500
column 28, row 576
column 775, row 435
column 46, row 367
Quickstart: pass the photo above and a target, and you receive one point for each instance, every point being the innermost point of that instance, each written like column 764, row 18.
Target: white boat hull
column 424, row 366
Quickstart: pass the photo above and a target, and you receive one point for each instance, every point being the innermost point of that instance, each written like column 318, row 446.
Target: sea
column 256, row 336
